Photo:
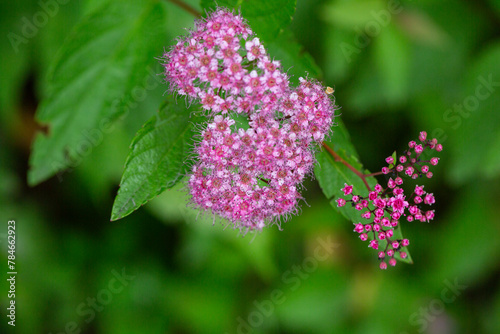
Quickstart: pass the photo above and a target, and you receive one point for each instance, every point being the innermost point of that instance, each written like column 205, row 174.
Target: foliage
column 90, row 72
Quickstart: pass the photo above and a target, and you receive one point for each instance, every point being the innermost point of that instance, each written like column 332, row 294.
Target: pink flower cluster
column 251, row 174
column 385, row 207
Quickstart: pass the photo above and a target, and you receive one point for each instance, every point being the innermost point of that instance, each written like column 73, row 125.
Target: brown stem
column 354, row 170
column 186, row 7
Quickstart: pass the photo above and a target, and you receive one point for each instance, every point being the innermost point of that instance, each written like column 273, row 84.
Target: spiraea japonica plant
column 244, row 122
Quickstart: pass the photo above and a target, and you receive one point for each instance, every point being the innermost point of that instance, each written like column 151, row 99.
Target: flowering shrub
column 250, row 172
column 260, row 133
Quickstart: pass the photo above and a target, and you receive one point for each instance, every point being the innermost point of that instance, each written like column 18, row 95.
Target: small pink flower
column 429, row 199
column 347, row 189
column 340, row 202
column 422, row 136
column 358, row 228
column 389, row 160
column 419, row 190
column 383, row 265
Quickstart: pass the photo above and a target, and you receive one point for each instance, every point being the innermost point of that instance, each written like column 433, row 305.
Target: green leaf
column 351, row 13
column 92, row 81
column 392, row 54
column 267, row 18
column 332, row 175
column 292, row 56
column 158, row 158
column 475, row 122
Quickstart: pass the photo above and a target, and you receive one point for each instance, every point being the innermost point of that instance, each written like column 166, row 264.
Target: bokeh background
column 398, row 67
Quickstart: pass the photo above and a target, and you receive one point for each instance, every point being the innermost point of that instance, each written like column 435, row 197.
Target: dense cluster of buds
column 384, row 208
column 248, row 174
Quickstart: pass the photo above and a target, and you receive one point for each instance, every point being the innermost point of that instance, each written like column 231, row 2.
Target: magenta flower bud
column 419, row 190
column 392, row 262
column 368, row 227
column 358, row 228
column 340, row 202
column 403, row 255
column 429, row 199
column 389, row 160
column 405, row 242
column 412, row 144
column 419, row 148
column 363, row 236
column 422, row 136
column 347, row 189
column 425, row 169
column 434, row 161
column 402, row 159
column 383, row 265
column 389, row 233
column 385, row 170
column 390, row 252
column 439, row 147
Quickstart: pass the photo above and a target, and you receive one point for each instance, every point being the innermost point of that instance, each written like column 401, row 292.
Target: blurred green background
column 398, row 67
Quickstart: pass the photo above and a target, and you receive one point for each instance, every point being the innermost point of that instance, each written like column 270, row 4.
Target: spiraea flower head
column 385, row 207
column 249, row 175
